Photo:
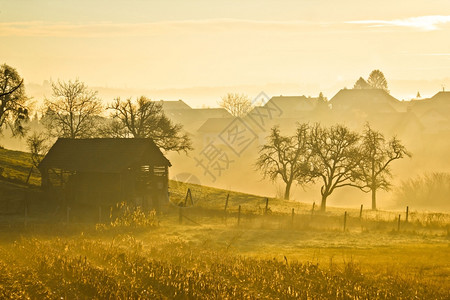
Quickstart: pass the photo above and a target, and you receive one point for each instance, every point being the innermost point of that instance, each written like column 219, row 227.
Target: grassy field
column 164, row 259
column 205, row 252
column 15, row 166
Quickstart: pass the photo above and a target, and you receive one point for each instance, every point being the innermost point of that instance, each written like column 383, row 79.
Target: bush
column 134, row 217
column 429, row 191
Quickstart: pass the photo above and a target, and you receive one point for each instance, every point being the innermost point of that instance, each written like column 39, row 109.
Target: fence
column 191, row 211
column 358, row 219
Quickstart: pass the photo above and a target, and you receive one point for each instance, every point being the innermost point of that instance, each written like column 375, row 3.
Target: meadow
column 204, row 251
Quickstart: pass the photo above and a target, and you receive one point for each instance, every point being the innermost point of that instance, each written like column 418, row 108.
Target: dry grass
column 208, row 256
column 15, row 166
column 150, row 264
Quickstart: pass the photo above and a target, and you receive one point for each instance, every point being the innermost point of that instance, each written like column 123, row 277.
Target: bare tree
column 336, row 158
column 286, row 157
column 377, row 155
column 113, row 128
column 237, row 104
column 146, row 119
column 38, row 147
column 12, row 100
column 377, row 80
column 73, row 110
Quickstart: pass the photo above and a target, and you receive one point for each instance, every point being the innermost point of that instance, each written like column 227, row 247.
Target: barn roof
column 107, row 155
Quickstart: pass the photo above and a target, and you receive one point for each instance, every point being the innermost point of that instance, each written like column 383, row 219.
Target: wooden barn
column 106, row 171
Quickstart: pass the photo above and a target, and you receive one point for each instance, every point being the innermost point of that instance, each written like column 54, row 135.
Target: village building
column 106, row 171
column 366, row 101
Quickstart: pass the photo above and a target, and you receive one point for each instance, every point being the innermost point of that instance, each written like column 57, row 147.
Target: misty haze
column 209, row 150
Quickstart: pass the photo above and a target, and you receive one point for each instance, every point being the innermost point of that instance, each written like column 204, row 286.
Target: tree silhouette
column 72, row 111
column 377, row 80
column 237, row 104
column 12, row 100
column 335, row 158
column 38, row 147
column 146, row 119
column 377, row 155
column 287, row 157
column 321, row 98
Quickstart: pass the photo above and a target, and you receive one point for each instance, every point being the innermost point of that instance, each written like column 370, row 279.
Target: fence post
column 68, row 215
column 226, row 202
column 239, row 215
column 398, row 223
column 312, row 211
column 407, row 213
column 29, row 174
column 188, row 194
column 26, row 215
column 292, row 219
column 345, row 220
column 267, row 206
column 360, row 212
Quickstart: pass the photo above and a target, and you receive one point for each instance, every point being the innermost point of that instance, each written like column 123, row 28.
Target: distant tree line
column 75, row 111
column 334, row 156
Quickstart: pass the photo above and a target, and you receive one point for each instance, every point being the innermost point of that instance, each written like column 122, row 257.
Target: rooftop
column 102, row 155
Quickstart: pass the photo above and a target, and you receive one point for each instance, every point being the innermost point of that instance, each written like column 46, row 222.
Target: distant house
column 443, row 97
column 366, row 101
column 433, row 112
column 436, row 120
column 210, row 130
column 192, row 119
column 404, row 125
column 295, row 103
column 174, row 105
column 106, row 171
column 285, row 106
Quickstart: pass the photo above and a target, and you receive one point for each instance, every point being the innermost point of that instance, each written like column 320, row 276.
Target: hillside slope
column 15, row 166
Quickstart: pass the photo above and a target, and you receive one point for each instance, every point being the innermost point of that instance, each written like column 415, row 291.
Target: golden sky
column 308, row 46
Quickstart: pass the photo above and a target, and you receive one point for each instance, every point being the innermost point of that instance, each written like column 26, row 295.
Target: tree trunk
column 287, row 191
column 374, row 199
column 323, row 204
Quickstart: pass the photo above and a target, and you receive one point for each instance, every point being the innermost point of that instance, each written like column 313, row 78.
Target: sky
column 198, row 50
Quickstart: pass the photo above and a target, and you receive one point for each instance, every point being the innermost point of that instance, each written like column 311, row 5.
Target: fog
column 421, row 124
column 200, row 149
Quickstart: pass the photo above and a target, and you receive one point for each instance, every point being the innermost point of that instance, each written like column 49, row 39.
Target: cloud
column 425, row 23
column 110, row 29
column 60, row 29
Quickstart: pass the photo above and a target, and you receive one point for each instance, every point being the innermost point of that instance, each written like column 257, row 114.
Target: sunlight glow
column 425, row 23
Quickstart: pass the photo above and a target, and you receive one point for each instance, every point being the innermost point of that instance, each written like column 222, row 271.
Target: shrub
column 134, row 217
column 429, row 191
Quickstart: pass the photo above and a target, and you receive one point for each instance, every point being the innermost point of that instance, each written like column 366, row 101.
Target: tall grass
column 121, row 269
